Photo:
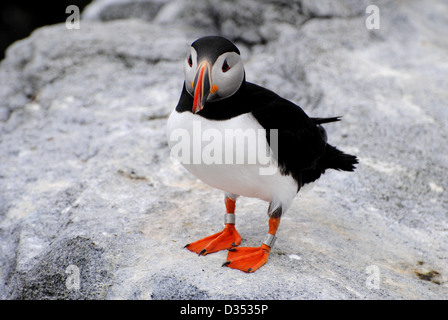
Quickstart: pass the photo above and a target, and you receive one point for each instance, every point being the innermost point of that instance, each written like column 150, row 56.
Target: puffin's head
column 213, row 70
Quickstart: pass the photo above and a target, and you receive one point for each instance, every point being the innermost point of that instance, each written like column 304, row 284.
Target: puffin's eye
column 225, row 66
column 190, row 61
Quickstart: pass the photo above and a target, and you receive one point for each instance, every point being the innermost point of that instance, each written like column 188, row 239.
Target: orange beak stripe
column 199, row 92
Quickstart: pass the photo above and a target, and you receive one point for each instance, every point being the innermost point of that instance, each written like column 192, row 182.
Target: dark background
column 18, row 18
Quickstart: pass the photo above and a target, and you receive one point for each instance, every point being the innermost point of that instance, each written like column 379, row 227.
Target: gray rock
column 106, row 10
column 51, row 275
column 92, row 206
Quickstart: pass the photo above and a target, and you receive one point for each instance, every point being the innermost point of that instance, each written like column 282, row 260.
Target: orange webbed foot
column 247, row 259
column 225, row 239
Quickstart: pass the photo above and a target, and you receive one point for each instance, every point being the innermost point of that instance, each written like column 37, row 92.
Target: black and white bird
column 217, row 102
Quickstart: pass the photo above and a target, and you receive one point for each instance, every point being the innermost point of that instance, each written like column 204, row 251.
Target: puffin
column 247, row 141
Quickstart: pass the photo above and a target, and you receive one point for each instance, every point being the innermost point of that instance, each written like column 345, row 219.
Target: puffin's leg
column 249, row 259
column 225, row 239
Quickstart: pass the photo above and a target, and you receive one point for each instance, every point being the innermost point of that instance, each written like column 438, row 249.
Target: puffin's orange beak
column 201, row 86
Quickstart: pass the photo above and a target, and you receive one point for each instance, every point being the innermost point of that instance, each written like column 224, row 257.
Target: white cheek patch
column 228, row 82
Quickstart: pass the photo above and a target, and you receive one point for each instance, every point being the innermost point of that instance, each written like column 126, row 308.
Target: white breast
column 224, row 155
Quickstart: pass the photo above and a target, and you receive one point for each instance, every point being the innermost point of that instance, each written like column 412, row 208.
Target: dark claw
column 226, row 263
column 249, row 270
column 231, row 249
column 187, row 245
column 202, row 252
column 233, row 244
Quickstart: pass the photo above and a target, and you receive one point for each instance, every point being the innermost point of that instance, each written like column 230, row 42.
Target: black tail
column 336, row 159
column 319, row 121
column 332, row 159
column 326, row 120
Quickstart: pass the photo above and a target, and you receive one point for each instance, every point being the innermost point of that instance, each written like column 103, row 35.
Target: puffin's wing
column 300, row 142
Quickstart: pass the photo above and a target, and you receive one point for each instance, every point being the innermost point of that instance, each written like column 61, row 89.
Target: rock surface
column 92, row 207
